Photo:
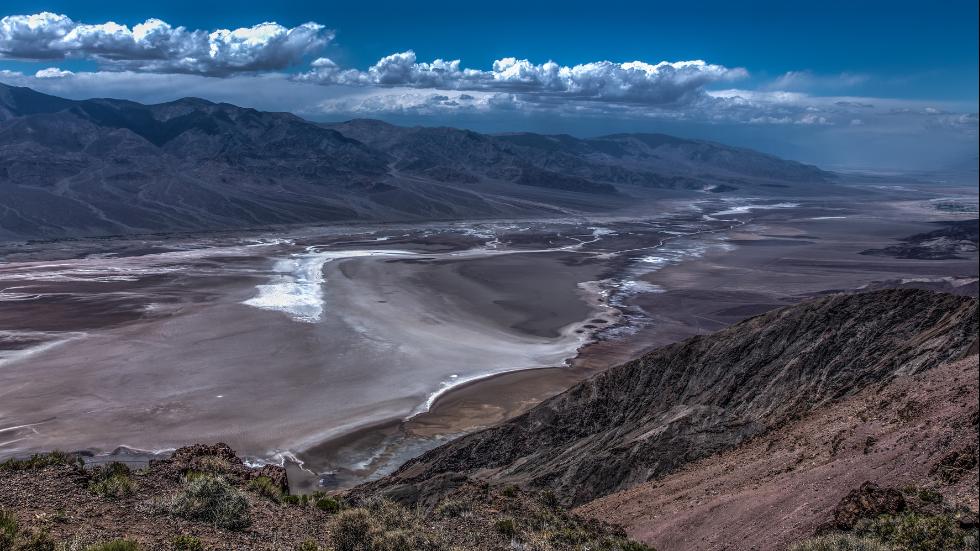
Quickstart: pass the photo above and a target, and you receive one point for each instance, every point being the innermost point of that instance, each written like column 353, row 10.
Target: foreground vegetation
column 925, row 523
column 208, row 501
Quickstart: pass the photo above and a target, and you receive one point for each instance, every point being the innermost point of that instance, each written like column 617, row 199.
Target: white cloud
column 663, row 83
column 53, row 72
column 809, row 81
column 156, row 46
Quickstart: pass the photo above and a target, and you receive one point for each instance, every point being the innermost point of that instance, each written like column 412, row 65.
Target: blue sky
column 810, row 80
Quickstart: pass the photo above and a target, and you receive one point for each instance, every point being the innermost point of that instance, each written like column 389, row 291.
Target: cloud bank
column 265, row 66
column 664, row 83
column 158, row 47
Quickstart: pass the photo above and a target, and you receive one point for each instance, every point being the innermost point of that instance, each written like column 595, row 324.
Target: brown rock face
column 219, row 459
column 868, row 501
column 646, row 418
column 953, row 466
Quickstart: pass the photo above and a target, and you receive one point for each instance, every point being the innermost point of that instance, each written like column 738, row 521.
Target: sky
column 847, row 85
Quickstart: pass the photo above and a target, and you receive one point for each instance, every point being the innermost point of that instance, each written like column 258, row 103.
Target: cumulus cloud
column 157, row 46
column 53, row 72
column 663, row 83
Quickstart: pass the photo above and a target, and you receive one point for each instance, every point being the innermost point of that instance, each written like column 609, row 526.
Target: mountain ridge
column 648, row 417
column 95, row 167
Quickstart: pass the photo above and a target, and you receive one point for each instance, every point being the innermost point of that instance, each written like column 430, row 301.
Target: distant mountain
column 102, row 167
column 647, row 418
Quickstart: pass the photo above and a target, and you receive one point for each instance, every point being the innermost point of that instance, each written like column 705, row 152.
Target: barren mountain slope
column 780, row 487
column 103, row 167
column 647, row 418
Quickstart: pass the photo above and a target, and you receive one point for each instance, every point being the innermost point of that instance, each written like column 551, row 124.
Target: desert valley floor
column 343, row 351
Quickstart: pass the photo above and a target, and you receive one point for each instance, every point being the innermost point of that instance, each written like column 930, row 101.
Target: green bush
column 111, row 480
column 213, row 500
column 40, row 461
column 452, row 508
column 308, row 545
column 353, row 530
column 506, row 527
column 549, row 499
column 916, row 531
column 186, row 542
column 509, row 491
column 8, row 530
column 840, row 542
column 114, row 487
column 38, row 540
column 328, row 504
column 630, row 545
column 290, row 499
column 264, row 486
column 115, row 545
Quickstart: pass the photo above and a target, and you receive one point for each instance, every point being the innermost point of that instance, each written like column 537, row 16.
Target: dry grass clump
column 186, row 542
column 212, row 499
column 840, row 542
column 42, row 460
column 112, row 481
column 264, row 486
column 115, row 545
column 382, row 525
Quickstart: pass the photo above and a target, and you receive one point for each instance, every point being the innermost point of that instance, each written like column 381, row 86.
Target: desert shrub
column 40, row 461
column 185, row 542
column 290, row 499
column 398, row 540
column 916, row 531
column 452, row 508
column 8, row 530
column 549, row 499
column 353, row 530
column 115, row 545
column 382, row 525
column 213, row 500
column 114, row 487
column 38, row 540
column 509, row 491
column 391, row 515
column 506, row 527
column 630, row 545
column 569, row 536
column 840, row 542
column 308, row 545
column 211, row 464
column 328, row 504
column 929, row 496
column 111, row 480
column 265, row 487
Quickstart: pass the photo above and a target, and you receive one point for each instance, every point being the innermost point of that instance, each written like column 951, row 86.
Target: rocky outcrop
column 868, row 501
column 955, row 239
column 217, row 459
column 648, row 417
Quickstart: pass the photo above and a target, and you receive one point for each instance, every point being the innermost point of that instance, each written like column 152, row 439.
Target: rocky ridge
column 107, row 167
column 649, row 417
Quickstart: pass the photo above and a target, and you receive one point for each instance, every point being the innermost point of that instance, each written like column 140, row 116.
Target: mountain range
column 106, row 167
